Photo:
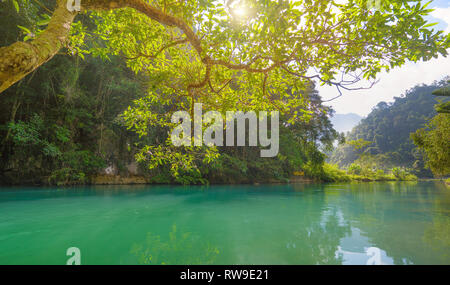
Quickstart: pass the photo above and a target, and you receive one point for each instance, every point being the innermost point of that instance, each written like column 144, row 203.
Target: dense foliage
column 299, row 148
column 61, row 124
column 385, row 134
column 434, row 139
column 66, row 120
column 64, row 124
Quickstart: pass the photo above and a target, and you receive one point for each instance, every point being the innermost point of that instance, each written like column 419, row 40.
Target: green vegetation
column 445, row 106
column 382, row 140
column 434, row 140
column 77, row 129
column 299, row 149
column 71, row 132
column 332, row 173
column 98, row 97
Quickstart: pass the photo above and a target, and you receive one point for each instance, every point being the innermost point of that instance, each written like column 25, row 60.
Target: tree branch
column 21, row 58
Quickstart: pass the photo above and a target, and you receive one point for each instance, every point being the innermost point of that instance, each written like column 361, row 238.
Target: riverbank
column 330, row 173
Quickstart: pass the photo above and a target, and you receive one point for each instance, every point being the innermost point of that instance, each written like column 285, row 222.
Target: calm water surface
column 265, row 224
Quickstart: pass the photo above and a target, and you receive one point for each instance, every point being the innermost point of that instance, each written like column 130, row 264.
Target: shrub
column 332, row 173
column 354, row 169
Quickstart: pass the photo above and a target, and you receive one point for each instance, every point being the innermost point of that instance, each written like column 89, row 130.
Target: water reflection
column 437, row 234
column 398, row 218
column 356, row 249
column 228, row 224
column 177, row 248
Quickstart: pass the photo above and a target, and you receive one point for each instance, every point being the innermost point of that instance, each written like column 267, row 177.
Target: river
column 354, row 223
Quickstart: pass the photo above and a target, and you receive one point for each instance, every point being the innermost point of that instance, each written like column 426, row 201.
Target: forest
column 70, row 121
column 385, row 138
column 96, row 110
column 93, row 93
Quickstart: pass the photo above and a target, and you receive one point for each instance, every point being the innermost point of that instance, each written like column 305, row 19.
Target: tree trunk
column 21, row 58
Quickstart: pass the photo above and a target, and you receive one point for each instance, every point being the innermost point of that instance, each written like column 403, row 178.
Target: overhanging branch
column 21, row 58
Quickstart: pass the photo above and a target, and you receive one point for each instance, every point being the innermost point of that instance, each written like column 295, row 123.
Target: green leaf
column 16, row 5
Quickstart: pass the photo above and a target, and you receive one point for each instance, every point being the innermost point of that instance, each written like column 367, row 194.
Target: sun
column 240, row 11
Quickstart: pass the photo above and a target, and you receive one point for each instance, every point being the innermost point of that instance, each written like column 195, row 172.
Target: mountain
column 345, row 122
column 384, row 135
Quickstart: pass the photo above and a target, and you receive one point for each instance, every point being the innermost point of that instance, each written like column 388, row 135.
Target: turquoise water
column 231, row 224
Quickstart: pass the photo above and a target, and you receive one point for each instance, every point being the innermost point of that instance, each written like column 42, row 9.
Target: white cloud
column 443, row 14
column 390, row 85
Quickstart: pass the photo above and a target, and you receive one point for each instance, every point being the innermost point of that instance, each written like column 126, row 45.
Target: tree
column 204, row 45
column 229, row 55
column 434, row 140
column 444, row 91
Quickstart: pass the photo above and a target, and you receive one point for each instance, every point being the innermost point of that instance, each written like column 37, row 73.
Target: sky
column 398, row 80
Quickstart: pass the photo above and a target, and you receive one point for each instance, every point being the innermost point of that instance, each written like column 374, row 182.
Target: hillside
column 386, row 131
